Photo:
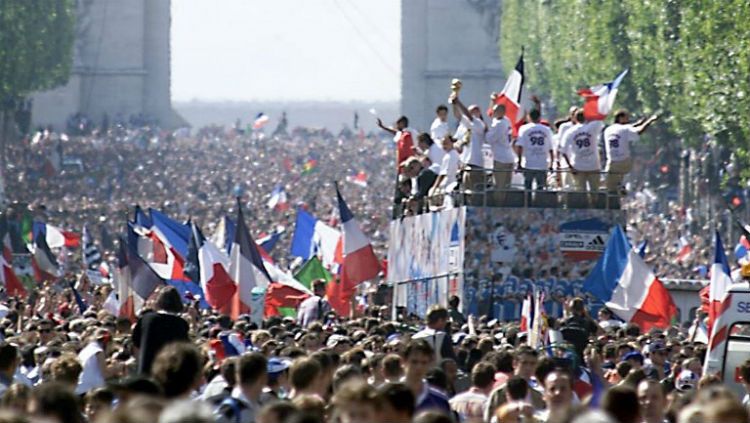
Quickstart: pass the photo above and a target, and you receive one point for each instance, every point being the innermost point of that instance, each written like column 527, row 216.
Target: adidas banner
column 583, row 239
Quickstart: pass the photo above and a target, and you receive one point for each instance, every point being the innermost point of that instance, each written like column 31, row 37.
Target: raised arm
column 386, row 128
column 460, row 106
column 641, row 128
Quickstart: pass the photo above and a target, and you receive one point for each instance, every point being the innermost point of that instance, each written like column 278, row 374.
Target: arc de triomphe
column 121, row 65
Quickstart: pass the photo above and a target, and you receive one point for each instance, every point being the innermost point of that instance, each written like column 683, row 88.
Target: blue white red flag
column 313, row 237
column 359, row 261
column 599, row 99
column 278, row 200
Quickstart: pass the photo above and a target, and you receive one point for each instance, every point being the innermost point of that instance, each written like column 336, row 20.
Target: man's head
column 483, row 376
column 319, row 287
column 305, row 374
column 402, row 123
column 454, row 301
column 396, row 403
column 424, row 141
column 442, row 112
column 652, row 400
column 475, row 111
column 447, row 143
column 572, row 113
column 437, row 317
column 604, row 314
column 657, row 352
column 178, row 368
column 498, row 111
column 46, row 331
column 412, row 166
column 535, row 115
column 9, row 358
column 745, row 374
column 356, row 402
column 169, row 300
column 580, row 117
column 622, row 116
column 418, row 357
column 577, row 306
column 392, row 367
column 524, row 362
column 517, row 388
column 252, row 374
column 558, row 389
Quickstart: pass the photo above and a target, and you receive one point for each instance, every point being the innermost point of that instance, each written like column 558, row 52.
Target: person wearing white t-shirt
column 498, row 137
column 93, row 361
column 581, row 153
column 448, row 172
column 471, row 118
column 431, row 150
column 564, row 177
column 439, row 128
column 617, row 140
column 534, row 146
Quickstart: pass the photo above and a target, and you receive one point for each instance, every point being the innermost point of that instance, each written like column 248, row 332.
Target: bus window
column 738, row 350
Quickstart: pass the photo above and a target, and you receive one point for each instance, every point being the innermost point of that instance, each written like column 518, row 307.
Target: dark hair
column 229, row 371
column 535, row 114
column 441, row 107
column 580, row 117
column 502, row 360
column 483, row 375
column 177, row 368
column 525, row 350
column 436, row 377
column 517, row 388
column 398, row 396
column 425, row 138
column 403, row 119
column 169, row 300
column 251, row 367
column 392, row 365
column 433, row 417
column 621, row 402
column 359, row 392
column 454, row 301
column 620, row 113
column 745, row 371
column 436, row 313
column 304, row 372
column 419, row 346
column 283, row 410
column 345, row 374
column 8, row 355
column 56, row 399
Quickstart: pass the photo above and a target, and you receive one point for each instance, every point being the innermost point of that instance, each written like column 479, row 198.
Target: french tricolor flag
column 360, row 178
column 246, row 267
column 626, row 285
column 360, row 263
column 599, row 99
column 278, row 200
column 207, row 266
column 312, row 237
column 56, row 237
column 510, row 96
column 719, row 284
column 261, row 119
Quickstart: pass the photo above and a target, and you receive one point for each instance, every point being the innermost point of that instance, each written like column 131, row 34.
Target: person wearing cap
column 314, row 308
column 657, row 365
column 278, row 381
column 635, row 359
column 94, row 362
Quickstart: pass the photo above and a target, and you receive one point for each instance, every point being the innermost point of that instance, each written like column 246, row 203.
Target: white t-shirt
column 438, row 130
column 459, row 136
column 449, row 168
column 561, row 131
column 498, row 137
column 617, row 140
column 435, row 154
column 580, row 145
column 536, row 140
column 475, row 157
column 91, row 376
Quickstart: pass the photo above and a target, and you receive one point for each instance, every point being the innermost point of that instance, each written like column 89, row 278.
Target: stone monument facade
column 445, row 39
column 121, row 65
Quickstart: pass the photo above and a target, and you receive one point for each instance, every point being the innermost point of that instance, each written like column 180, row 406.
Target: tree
column 36, row 40
column 689, row 59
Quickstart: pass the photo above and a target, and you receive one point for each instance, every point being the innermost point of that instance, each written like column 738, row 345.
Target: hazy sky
column 286, row 50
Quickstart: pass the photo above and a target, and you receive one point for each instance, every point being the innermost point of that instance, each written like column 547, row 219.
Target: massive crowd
column 180, row 363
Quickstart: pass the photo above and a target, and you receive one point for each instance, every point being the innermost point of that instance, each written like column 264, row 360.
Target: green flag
column 312, row 269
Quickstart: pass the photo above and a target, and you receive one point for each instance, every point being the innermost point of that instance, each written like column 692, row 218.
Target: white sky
column 286, row 50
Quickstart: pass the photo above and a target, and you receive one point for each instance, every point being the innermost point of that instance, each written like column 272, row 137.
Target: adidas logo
column 597, row 242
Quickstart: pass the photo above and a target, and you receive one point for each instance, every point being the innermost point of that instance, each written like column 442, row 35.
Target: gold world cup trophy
column 455, row 88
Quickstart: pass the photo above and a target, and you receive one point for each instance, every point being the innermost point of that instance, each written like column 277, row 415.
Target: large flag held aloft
column 510, row 96
column 719, row 284
column 599, row 99
column 246, row 267
column 208, row 268
column 313, row 237
column 623, row 281
column 359, row 261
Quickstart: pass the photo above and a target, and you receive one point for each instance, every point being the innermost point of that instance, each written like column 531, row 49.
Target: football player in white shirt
column 439, row 127
column 473, row 166
column 564, row 178
column 448, row 172
column 534, row 146
column 432, row 150
column 617, row 140
column 498, row 137
column 581, row 153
